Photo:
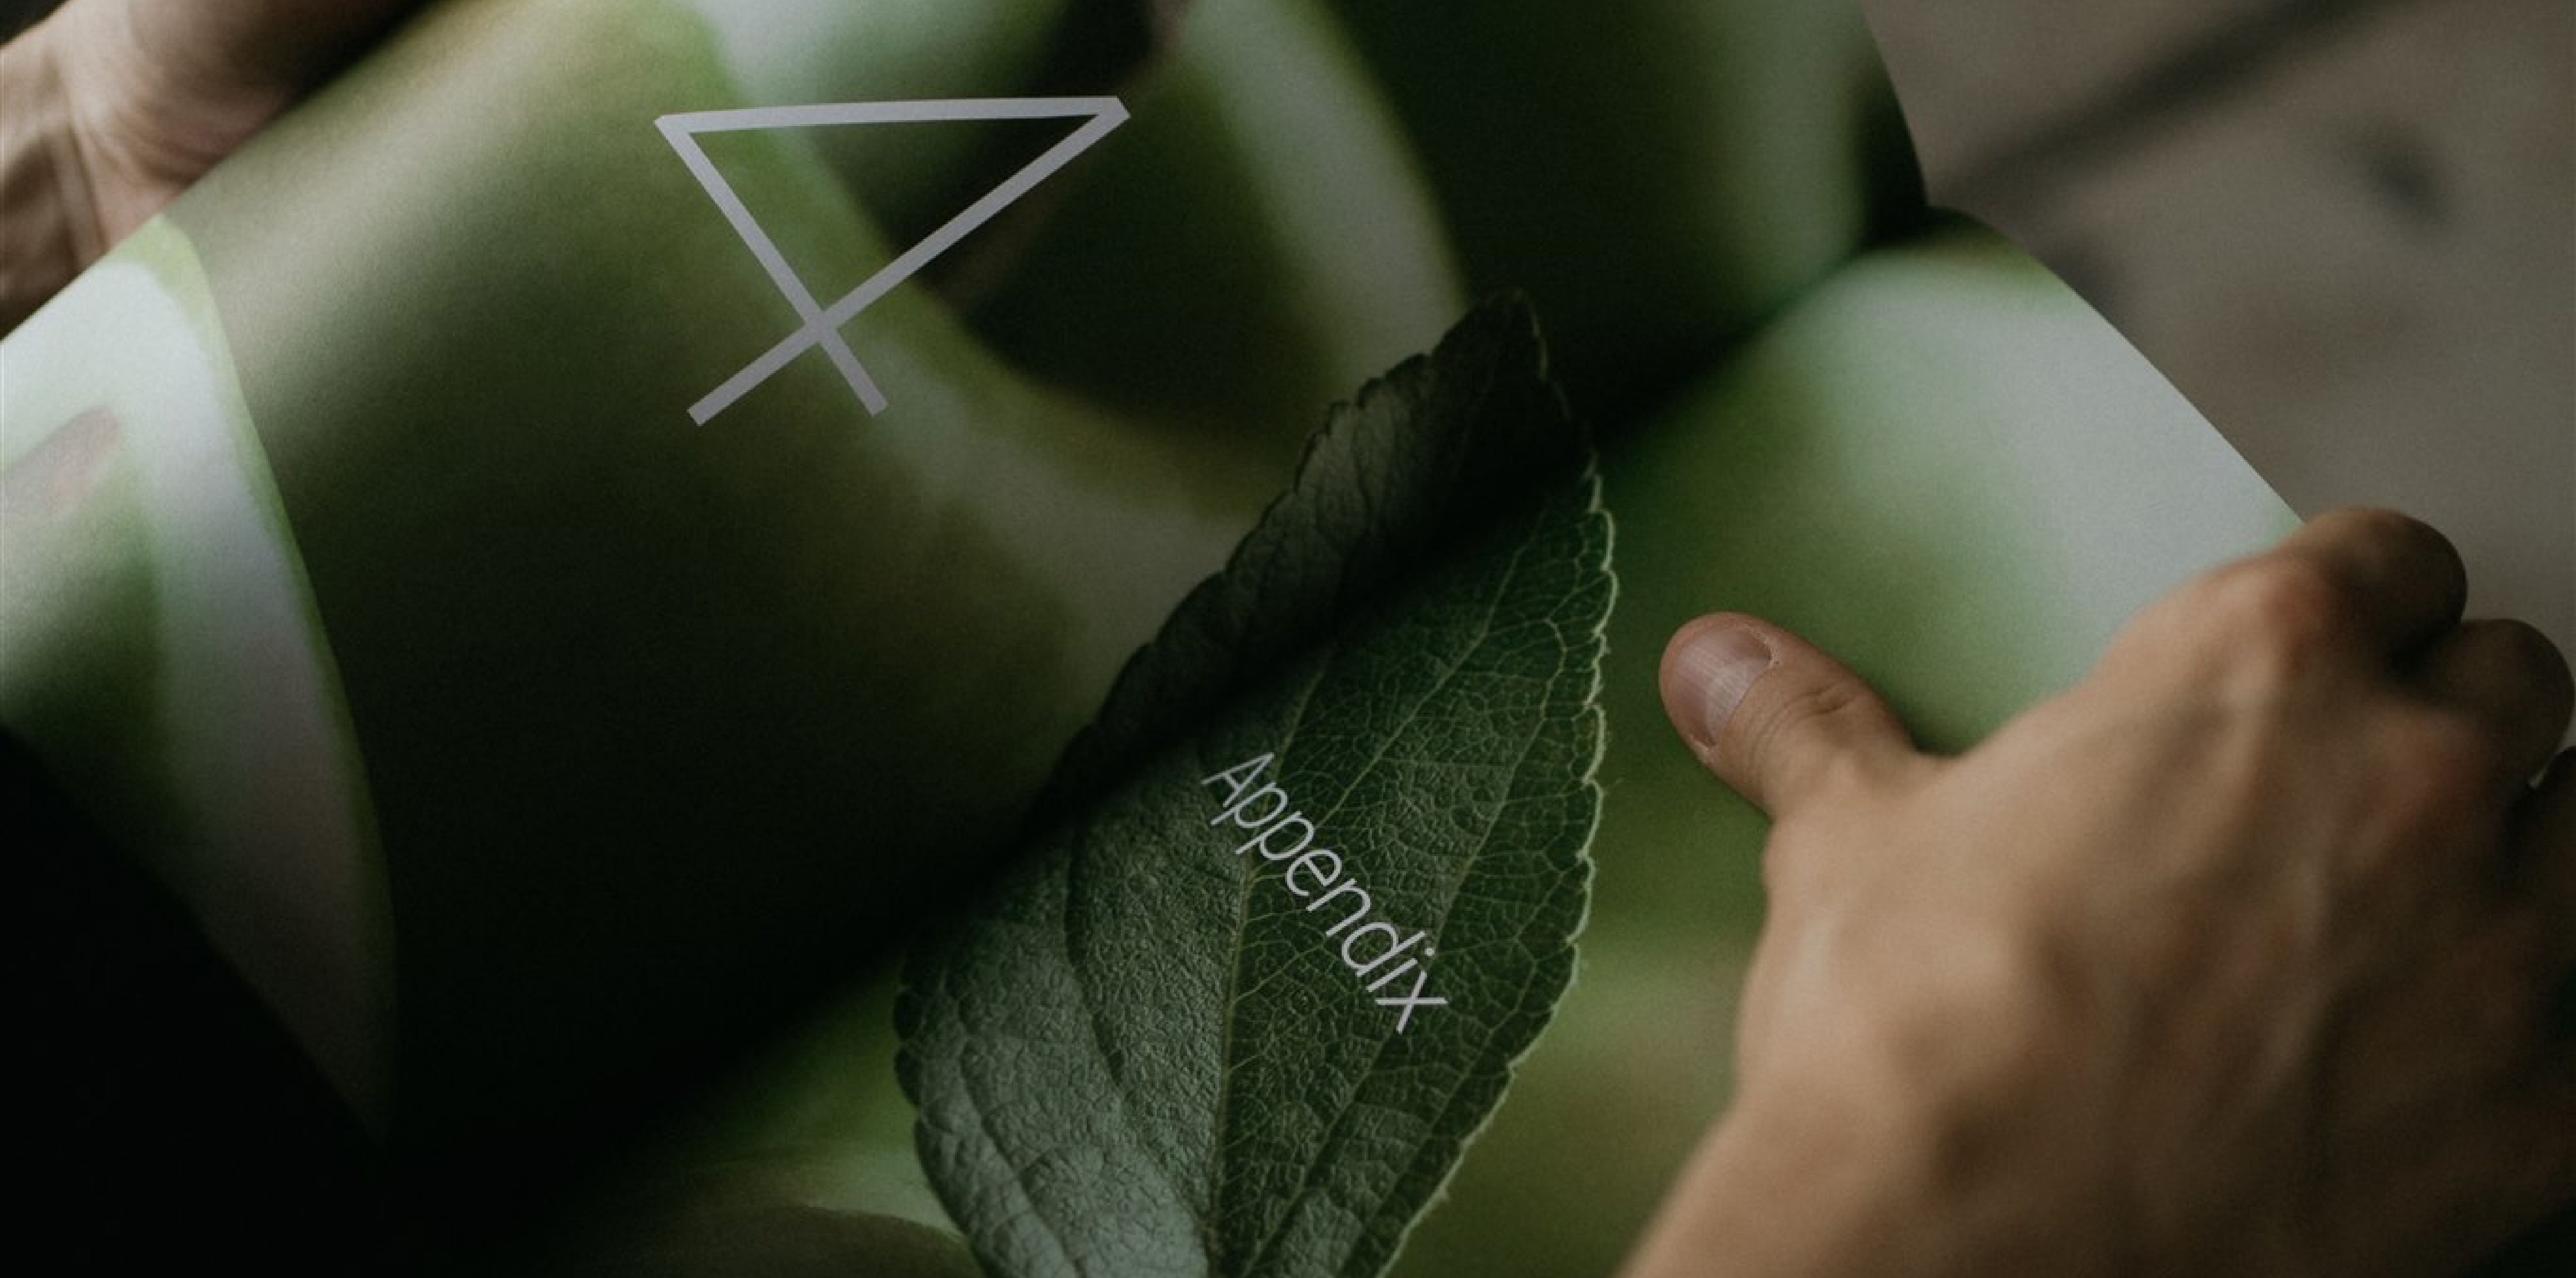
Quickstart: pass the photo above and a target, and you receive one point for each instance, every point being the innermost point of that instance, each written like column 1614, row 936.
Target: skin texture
column 110, row 108
column 2239, row 957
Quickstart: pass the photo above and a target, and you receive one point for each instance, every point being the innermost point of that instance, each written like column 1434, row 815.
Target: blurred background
column 2346, row 229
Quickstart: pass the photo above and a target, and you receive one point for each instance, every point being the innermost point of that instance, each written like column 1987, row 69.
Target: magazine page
column 744, row 616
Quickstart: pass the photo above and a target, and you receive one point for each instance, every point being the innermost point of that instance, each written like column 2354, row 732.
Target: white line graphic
column 822, row 325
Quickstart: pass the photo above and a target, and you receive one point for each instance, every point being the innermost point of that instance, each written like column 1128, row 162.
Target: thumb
column 1772, row 716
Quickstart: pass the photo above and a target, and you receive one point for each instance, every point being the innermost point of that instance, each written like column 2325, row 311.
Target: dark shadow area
column 165, row 1121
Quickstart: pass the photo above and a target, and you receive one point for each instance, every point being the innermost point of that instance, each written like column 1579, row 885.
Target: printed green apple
column 1253, row 245
column 1657, row 174
column 647, row 730
column 663, row 726
column 157, row 643
column 784, row 52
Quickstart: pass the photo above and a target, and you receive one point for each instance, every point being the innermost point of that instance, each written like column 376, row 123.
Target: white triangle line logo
column 822, row 324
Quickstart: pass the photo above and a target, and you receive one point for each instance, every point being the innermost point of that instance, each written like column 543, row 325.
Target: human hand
column 110, row 108
column 2250, row 954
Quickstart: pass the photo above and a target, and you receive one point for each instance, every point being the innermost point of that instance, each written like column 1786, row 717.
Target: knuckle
column 2534, row 657
column 2381, row 523
column 2523, row 951
column 2444, row 770
column 2556, row 1130
column 2526, row 643
column 2397, row 535
column 1816, row 702
column 1792, row 734
column 2279, row 614
column 2498, row 973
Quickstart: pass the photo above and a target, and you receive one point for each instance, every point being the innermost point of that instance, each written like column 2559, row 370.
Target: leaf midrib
column 1505, row 583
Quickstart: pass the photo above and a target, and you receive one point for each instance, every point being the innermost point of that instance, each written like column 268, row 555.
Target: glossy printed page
column 726, row 453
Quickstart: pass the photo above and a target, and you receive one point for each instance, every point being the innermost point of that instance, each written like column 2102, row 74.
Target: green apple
column 662, row 727
column 159, row 646
column 1251, row 247
column 912, row 178
column 1658, row 174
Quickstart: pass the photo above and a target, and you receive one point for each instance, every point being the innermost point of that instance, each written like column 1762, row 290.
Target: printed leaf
column 1241, row 1017
column 1385, row 491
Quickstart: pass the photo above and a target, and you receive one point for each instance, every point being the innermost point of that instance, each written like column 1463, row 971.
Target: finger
column 2403, row 580
column 2509, row 678
column 2342, row 596
column 1772, row 716
column 2519, row 1156
column 2544, row 851
column 2548, row 1125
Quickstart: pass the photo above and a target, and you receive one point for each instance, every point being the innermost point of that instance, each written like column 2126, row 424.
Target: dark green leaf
column 1179, row 1040
column 1386, row 490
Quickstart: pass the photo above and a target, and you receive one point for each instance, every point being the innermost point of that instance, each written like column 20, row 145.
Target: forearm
column 110, row 108
column 44, row 240
column 217, row 45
